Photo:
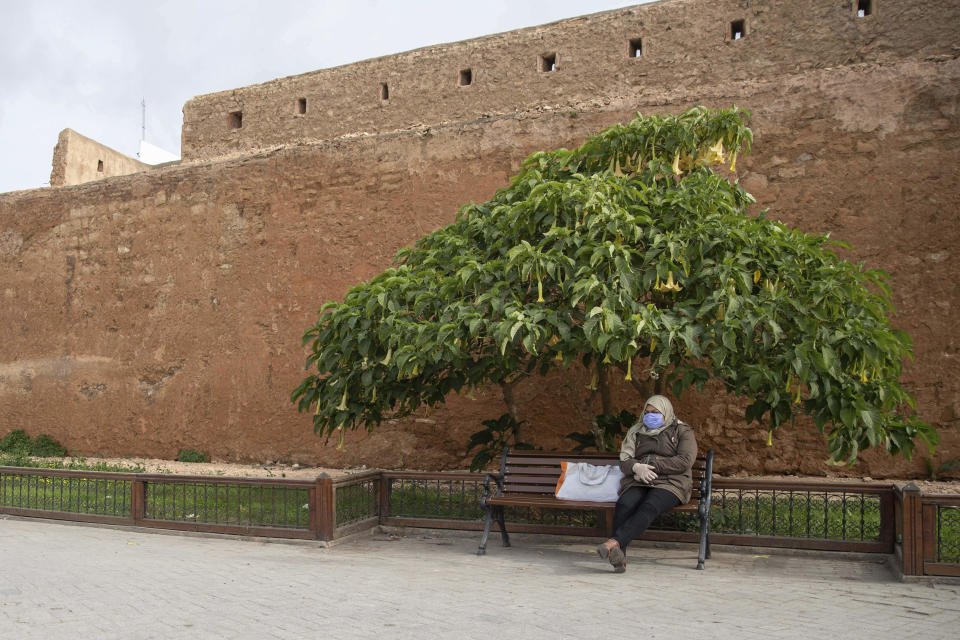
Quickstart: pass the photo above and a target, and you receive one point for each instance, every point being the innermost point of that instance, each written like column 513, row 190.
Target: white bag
column 584, row 481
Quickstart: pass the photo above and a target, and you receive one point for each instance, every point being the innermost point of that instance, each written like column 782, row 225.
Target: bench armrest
column 706, row 486
column 488, row 481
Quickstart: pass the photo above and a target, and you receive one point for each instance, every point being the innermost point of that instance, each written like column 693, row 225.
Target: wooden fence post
column 383, row 486
column 928, row 548
column 912, row 531
column 138, row 500
column 324, row 516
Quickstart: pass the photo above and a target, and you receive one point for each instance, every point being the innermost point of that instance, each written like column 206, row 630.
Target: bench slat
column 550, row 502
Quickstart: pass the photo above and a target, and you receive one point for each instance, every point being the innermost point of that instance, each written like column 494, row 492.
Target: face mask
column 653, row 420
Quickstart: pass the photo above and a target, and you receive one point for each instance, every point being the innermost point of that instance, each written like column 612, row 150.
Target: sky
column 88, row 65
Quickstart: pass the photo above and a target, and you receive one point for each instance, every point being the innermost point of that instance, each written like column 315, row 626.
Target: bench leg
column 486, row 532
column 704, row 552
column 503, row 527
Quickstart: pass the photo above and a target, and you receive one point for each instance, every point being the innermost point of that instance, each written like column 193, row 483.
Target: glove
column 644, row 473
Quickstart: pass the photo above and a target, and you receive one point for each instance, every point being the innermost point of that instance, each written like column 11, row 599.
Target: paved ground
column 71, row 581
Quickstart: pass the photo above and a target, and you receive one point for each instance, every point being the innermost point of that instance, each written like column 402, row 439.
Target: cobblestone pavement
column 72, row 581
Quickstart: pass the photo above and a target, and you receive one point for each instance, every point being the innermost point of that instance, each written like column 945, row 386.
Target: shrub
column 46, row 447
column 191, row 455
column 16, row 441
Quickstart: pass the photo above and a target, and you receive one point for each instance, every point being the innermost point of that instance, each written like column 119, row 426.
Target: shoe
column 618, row 559
column 603, row 551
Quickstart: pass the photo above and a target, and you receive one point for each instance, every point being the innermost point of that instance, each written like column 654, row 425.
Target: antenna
column 143, row 118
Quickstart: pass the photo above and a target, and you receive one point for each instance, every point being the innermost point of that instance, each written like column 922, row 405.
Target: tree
column 631, row 256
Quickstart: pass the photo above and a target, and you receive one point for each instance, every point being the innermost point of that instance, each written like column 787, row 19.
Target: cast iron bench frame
column 529, row 479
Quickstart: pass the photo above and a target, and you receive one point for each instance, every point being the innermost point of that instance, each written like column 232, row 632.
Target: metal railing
column 923, row 530
column 227, row 502
column 356, row 502
column 813, row 515
column 250, row 506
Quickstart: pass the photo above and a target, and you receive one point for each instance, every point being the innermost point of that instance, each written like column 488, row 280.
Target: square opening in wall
column 548, row 62
column 100, row 166
column 737, row 30
column 465, row 78
column 384, row 91
column 301, row 106
column 636, row 48
column 235, row 119
column 864, row 8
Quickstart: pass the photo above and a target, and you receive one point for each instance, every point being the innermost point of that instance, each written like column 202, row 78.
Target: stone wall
column 682, row 43
column 163, row 310
column 78, row 159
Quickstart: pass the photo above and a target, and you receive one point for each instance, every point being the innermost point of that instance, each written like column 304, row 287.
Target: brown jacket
column 671, row 452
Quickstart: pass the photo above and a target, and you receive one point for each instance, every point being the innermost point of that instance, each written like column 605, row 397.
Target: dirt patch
column 224, row 469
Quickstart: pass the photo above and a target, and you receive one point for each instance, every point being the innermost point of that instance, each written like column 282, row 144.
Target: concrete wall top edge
column 561, row 64
column 428, row 49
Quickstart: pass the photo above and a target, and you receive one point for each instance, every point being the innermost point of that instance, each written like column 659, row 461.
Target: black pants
column 636, row 508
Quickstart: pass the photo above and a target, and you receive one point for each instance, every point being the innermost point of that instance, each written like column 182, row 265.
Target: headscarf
column 663, row 405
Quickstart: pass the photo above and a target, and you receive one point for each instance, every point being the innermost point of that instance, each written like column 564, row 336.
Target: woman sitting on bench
column 656, row 458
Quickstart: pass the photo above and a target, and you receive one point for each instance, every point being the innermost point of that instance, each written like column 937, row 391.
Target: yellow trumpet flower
column 733, row 161
column 676, row 164
column 715, row 153
column 386, row 360
column 669, row 285
column 629, row 363
column 770, row 438
column 340, row 445
column 606, row 359
column 616, row 170
column 540, row 290
column 343, row 402
column 374, row 398
column 756, row 276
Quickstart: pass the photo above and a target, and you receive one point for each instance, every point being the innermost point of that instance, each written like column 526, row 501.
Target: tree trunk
column 594, row 427
column 507, row 388
column 606, row 402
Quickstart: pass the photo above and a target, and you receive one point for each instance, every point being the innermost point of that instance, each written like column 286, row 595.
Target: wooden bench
column 529, row 479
